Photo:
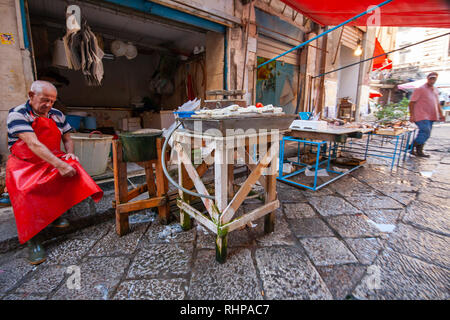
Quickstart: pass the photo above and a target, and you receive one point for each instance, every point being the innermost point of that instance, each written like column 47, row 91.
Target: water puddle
column 383, row 227
column 170, row 232
column 148, row 216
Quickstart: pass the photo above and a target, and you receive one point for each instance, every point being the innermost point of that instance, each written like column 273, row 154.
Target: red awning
column 398, row 13
column 382, row 62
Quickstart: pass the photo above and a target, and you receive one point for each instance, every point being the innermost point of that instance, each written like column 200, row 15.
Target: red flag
column 382, row 62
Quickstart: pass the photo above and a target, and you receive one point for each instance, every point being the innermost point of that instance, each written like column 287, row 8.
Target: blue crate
column 184, row 114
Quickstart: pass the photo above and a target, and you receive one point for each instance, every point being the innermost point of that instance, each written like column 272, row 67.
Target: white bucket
column 92, row 150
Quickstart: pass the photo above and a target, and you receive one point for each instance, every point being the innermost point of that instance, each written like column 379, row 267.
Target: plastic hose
column 166, row 173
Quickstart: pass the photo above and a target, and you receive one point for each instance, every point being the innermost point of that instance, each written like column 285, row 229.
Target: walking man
column 424, row 109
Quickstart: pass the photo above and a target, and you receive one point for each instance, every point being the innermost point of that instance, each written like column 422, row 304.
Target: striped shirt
column 21, row 117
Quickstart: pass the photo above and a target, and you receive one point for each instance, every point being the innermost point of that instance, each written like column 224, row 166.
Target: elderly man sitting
column 42, row 181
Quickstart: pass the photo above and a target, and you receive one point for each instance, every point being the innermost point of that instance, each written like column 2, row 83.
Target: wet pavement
column 373, row 234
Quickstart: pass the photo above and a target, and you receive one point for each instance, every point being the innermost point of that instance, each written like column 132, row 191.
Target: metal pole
column 326, row 32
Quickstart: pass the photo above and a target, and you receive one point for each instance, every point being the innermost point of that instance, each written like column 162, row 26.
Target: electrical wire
column 166, row 173
column 380, row 55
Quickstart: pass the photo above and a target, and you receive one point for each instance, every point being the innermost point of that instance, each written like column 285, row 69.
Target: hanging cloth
column 39, row 194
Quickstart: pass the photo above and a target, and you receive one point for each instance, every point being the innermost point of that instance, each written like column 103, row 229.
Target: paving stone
column 383, row 216
column 13, row 267
column 332, row 206
column 287, row 273
column 43, row 280
column 327, row 251
column 350, row 186
column 431, row 217
column 298, row 210
column 281, row 235
column 162, row 259
column 433, row 200
column 8, row 229
column 154, row 289
column 289, row 193
column 436, row 190
column 236, row 238
column 112, row 244
column 94, row 232
column 422, row 245
column 68, row 252
column 404, row 198
column 364, row 203
column 24, row 296
column 398, row 277
column 99, row 278
column 341, row 279
column 441, row 174
column 354, row 226
column 236, row 279
column 310, row 227
column 365, row 249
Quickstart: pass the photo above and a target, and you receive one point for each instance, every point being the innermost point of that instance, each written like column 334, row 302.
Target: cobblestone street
column 371, row 235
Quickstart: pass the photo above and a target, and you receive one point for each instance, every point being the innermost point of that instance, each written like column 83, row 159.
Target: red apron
column 39, row 194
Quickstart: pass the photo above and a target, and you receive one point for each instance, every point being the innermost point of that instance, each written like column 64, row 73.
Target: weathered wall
column 214, row 61
column 14, row 78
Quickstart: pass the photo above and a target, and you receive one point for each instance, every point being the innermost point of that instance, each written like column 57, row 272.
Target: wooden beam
column 251, row 216
column 197, row 215
column 199, row 186
column 246, row 187
column 136, row 192
column 140, row 204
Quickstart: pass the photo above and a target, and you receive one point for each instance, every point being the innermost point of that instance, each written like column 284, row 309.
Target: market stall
column 227, row 137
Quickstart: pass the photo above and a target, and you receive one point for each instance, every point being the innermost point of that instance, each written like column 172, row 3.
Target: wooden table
column 224, row 153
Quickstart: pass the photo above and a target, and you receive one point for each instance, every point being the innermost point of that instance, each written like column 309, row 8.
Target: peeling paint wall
column 13, row 81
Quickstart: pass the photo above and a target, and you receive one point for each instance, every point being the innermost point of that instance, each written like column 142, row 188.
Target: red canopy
column 398, row 13
column 382, row 62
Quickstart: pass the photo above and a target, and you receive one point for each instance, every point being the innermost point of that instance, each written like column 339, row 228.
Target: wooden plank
column 120, row 187
column 162, row 185
column 199, row 186
column 246, row 187
column 141, row 204
column 221, row 176
column 136, row 192
column 120, row 173
column 270, row 196
column 185, row 220
column 150, row 178
column 251, row 216
column 197, row 215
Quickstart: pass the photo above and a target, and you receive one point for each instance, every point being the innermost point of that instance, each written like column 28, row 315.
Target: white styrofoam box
column 130, row 124
column 309, row 125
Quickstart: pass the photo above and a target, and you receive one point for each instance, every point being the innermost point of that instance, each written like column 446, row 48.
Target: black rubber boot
column 60, row 223
column 420, row 151
column 36, row 252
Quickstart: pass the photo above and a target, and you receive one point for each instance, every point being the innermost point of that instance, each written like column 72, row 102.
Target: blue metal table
column 317, row 143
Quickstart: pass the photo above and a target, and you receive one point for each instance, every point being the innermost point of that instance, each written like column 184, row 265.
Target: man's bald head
column 39, row 86
column 42, row 97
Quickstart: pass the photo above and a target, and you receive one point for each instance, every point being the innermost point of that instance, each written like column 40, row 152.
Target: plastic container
column 93, row 151
column 74, row 121
column 304, row 115
column 90, row 123
column 139, row 145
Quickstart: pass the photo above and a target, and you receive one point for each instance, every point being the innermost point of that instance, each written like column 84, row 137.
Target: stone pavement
column 370, row 235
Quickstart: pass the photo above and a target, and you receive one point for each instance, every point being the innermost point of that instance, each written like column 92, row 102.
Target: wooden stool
column 157, row 191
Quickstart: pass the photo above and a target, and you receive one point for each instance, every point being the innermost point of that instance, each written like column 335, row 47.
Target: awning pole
column 326, row 32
